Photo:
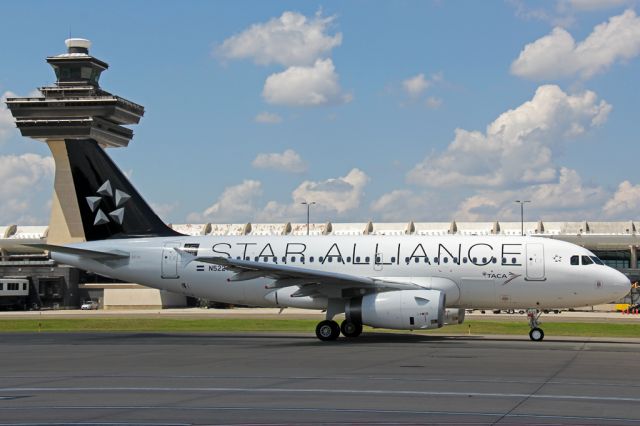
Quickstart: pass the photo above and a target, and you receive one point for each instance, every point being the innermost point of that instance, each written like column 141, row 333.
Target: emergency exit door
column 535, row 262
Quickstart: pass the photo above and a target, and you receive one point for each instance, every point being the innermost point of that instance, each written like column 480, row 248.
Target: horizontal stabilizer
column 91, row 254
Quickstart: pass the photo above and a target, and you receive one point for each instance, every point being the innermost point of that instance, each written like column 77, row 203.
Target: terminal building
column 60, row 286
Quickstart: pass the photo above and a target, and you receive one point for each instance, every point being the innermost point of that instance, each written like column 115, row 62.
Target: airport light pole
column 308, row 204
column 522, row 214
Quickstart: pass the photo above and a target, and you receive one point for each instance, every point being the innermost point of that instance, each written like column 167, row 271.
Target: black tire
column 327, row 330
column 350, row 329
column 536, row 334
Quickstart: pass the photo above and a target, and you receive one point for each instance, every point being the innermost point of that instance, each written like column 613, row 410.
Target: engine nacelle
column 400, row 310
column 453, row 316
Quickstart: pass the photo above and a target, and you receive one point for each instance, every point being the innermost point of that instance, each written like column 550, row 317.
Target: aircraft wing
column 314, row 281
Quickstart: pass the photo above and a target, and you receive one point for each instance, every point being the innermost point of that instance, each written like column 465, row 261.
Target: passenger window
column 366, row 259
column 436, row 260
column 474, row 260
column 504, row 260
column 320, row 259
column 455, row 260
column 494, row 260
column 24, row 286
column 417, row 260
column 586, row 260
column 377, row 259
column 358, row 259
column 446, row 260
column 426, row 260
column 393, row 260
column 284, row 259
column 464, row 260
column 330, row 259
column 406, row 259
column 293, row 258
column 348, row 259
column 484, row 260
column 311, row 259
column 513, row 260
column 575, row 260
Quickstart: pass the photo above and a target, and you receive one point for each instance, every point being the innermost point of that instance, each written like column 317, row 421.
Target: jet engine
column 400, row 310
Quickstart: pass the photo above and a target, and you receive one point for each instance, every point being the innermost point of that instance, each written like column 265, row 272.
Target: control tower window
column 77, row 73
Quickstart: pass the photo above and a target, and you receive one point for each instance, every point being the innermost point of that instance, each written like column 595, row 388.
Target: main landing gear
column 536, row 334
column 329, row 330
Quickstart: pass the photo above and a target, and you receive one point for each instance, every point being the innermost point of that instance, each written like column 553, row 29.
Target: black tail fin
column 110, row 206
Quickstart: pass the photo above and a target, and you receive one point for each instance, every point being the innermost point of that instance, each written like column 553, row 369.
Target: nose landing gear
column 536, row 334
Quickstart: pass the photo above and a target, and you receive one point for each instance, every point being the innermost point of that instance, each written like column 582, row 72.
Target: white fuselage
column 473, row 271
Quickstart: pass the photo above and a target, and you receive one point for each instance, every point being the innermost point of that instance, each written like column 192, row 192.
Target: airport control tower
column 74, row 108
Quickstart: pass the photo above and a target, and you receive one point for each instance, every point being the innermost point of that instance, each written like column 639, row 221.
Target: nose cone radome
column 619, row 283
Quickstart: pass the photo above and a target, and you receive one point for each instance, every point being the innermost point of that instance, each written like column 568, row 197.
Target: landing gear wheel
column 350, row 329
column 536, row 334
column 327, row 330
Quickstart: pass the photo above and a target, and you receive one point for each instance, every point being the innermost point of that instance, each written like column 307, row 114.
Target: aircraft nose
column 619, row 283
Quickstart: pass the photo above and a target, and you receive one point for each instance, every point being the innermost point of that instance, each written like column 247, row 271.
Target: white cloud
column 268, row 118
column 288, row 161
column 336, row 194
column 23, row 179
column 566, row 199
column 404, row 205
column 305, row 86
column 291, row 39
column 516, row 149
column 7, row 123
column 236, row 204
column 625, row 202
column 433, row 102
column 164, row 210
column 414, row 86
column 557, row 55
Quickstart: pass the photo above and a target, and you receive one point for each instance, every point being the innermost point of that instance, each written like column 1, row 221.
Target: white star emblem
column 120, row 199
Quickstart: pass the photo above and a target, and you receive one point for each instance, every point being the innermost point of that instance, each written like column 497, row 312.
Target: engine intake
column 400, row 310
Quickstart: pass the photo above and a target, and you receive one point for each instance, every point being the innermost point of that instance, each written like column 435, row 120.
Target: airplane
column 406, row 282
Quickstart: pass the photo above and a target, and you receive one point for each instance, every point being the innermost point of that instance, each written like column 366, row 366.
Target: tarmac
column 277, row 378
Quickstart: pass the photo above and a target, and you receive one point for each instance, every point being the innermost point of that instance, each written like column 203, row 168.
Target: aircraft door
column 535, row 262
column 170, row 259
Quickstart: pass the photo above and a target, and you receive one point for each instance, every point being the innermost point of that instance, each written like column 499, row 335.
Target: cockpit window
column 586, row 260
column 575, row 260
column 596, row 260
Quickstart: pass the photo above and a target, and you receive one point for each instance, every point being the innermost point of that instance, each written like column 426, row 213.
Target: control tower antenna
column 75, row 108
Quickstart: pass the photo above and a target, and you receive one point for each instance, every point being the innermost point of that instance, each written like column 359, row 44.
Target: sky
column 382, row 111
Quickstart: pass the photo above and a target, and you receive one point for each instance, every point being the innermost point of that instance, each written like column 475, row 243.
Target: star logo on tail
column 119, row 198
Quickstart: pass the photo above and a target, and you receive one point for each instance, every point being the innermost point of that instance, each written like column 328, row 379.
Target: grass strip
column 473, row 327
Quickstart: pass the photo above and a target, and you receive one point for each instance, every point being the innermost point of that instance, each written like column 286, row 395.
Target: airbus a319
column 395, row 282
